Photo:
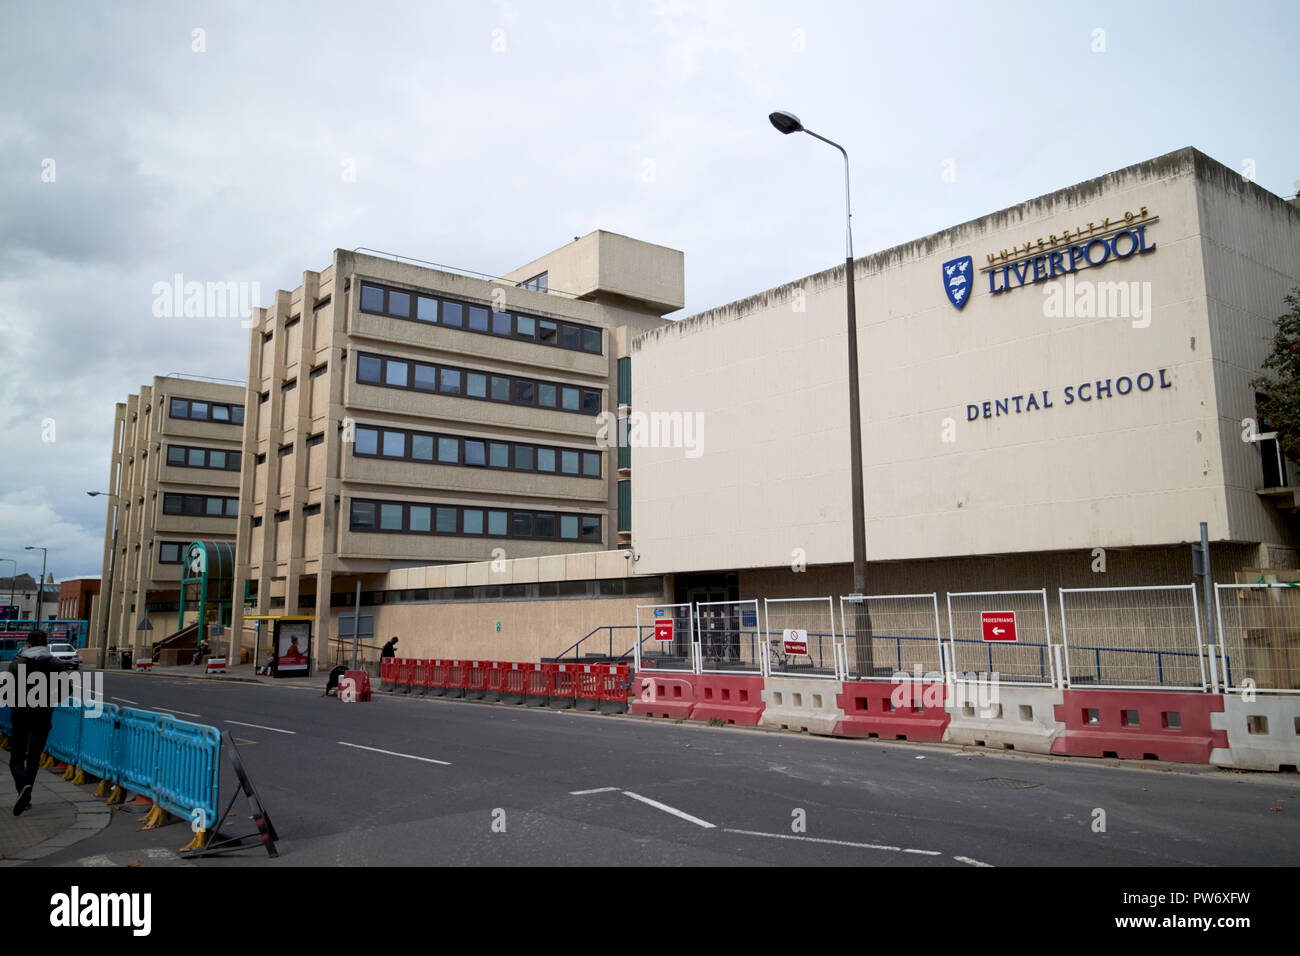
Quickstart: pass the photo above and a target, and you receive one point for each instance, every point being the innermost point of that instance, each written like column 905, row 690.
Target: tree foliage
column 1281, row 381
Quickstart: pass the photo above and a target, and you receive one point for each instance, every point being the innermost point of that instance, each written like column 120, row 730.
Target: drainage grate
column 1007, row 783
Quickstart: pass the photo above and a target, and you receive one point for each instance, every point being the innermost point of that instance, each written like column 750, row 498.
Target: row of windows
column 398, row 304
column 187, row 456
column 537, row 591
column 198, row 411
column 209, row 506
column 403, row 518
column 538, row 283
column 474, row 452
column 467, row 383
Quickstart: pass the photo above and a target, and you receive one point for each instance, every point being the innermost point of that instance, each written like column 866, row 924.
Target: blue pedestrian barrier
column 187, row 775
column 99, row 742
column 64, row 741
column 137, row 750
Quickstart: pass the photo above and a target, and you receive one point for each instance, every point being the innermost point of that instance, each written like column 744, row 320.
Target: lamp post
column 40, row 590
column 789, row 123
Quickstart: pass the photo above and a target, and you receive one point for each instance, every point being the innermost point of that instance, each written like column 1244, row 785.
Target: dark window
column 501, row 324
column 590, row 528
column 591, row 340
column 426, row 378
column 169, row 553
column 426, row 309
column 524, row 457
column 363, row 514
column 591, row 464
column 500, row 388
column 525, row 392
column 521, row 524
column 372, row 298
column 474, row 453
column 367, row 441
column 546, row 395
column 478, row 318
column 315, row 439
column 310, row 510
column 544, row 525
column 453, row 314
column 399, row 304
column 450, row 381
column 547, row 332
column 175, row 455
column 446, row 520
column 236, row 414
column 570, row 336
column 180, row 408
column 369, row 369
column 394, row 444
column 625, row 381
column 590, row 401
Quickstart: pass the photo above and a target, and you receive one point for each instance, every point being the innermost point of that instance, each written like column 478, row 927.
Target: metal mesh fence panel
column 1259, row 636
column 729, row 637
column 809, row 623
column 653, row 621
column 1027, row 660
column 905, row 636
column 1133, row 637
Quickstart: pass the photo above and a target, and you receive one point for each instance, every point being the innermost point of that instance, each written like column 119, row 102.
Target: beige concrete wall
column 530, row 630
column 769, row 375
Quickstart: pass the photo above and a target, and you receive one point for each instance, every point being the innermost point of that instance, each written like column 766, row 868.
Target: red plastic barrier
column 514, row 681
column 421, row 676
column 143, row 665
column 564, row 687
column 663, row 695
column 405, row 669
column 734, row 698
column 216, row 665
column 496, row 676
column 360, row 685
column 387, row 672
column 870, row 711
column 457, row 672
column 1139, row 725
column 540, row 684
column 476, row 679
column 438, row 677
column 603, row 688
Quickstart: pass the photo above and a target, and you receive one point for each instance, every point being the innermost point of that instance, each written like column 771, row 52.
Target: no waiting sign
column 998, row 626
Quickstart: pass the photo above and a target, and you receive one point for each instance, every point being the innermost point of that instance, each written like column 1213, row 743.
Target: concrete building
column 173, row 479
column 1053, row 395
column 23, row 589
column 405, row 415
column 1063, row 417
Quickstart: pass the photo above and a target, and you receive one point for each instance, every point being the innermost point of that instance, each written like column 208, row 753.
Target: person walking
column 33, row 714
column 390, row 649
column 336, row 675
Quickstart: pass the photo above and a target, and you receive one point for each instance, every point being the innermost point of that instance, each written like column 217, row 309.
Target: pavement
column 61, row 816
column 427, row 781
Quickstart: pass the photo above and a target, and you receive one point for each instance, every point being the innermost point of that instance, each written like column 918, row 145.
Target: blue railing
column 609, row 655
column 1160, row 656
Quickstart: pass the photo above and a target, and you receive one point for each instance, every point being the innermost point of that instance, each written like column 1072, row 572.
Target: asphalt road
column 501, row 784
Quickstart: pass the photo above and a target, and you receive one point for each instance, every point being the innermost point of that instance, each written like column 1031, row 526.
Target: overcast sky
column 482, row 135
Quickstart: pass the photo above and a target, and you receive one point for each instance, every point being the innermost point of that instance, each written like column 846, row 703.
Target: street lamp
column 40, row 590
column 789, row 123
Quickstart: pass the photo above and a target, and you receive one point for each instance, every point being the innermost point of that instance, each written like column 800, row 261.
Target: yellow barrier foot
column 103, row 790
column 80, row 779
column 117, row 796
column 70, row 773
column 198, row 843
column 155, row 818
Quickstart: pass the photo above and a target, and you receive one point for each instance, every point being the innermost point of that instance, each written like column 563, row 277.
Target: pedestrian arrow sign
column 998, row 626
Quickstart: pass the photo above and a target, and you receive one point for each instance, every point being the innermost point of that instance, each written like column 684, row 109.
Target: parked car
column 67, row 654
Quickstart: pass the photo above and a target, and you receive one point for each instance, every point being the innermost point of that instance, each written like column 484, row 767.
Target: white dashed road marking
column 667, row 809
column 583, row 793
column 260, row 727
column 394, row 753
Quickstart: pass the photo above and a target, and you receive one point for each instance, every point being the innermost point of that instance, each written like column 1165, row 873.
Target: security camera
column 627, row 554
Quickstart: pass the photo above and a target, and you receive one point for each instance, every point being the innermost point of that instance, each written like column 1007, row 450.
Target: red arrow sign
column 664, row 630
column 998, row 626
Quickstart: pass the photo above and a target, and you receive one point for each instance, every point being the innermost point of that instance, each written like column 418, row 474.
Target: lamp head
column 786, row 122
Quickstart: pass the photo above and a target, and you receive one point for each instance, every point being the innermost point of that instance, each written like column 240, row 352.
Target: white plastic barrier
column 1263, row 735
column 1021, row 718
column 801, row 703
